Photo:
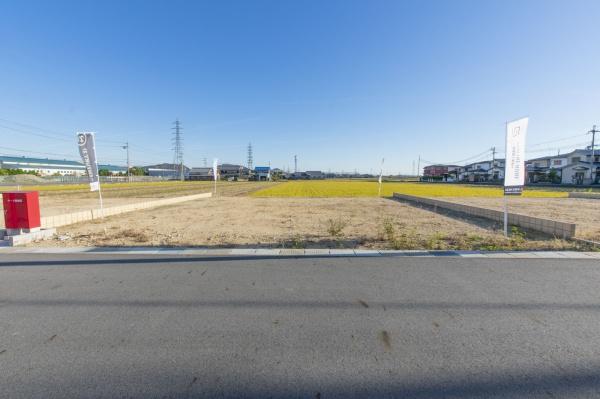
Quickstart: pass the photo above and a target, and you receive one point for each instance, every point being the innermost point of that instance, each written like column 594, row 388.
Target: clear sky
column 339, row 83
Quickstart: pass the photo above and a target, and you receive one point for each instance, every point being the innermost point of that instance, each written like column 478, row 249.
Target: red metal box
column 21, row 209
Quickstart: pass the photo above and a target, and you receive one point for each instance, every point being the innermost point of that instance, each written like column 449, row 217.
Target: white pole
column 505, row 216
column 100, row 196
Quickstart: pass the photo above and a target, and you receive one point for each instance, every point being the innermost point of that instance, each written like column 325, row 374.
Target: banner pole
column 100, row 196
column 505, row 216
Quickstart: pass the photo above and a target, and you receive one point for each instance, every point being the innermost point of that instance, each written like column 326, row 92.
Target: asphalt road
column 124, row 326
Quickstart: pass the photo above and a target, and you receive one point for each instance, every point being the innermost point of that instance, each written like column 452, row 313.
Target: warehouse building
column 50, row 167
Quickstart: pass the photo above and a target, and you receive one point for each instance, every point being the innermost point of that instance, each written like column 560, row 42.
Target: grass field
column 347, row 188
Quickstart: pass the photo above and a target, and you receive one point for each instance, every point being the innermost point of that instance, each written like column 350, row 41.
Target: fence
column 91, row 214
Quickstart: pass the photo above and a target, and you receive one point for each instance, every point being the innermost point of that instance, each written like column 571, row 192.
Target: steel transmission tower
column 178, row 149
column 295, row 163
column 250, row 157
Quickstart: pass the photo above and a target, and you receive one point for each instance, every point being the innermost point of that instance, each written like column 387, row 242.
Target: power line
column 486, row 152
column 54, row 135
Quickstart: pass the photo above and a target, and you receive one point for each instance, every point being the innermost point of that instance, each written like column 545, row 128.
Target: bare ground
column 583, row 212
column 297, row 222
column 67, row 201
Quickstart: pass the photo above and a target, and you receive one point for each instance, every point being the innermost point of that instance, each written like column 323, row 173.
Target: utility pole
column 178, row 149
column 493, row 149
column 593, row 133
column 204, row 161
column 126, row 147
column 295, row 164
column 419, row 168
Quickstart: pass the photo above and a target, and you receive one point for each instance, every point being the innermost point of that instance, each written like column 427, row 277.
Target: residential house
column 315, row 174
column 229, row 171
column 441, row 172
column 575, row 167
column 483, row 171
column 205, row 173
column 262, row 173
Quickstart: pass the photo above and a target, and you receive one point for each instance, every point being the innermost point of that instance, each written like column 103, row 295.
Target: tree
column 553, row 176
column 136, row 171
column 104, row 172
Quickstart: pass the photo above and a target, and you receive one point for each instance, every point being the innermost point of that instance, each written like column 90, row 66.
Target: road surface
column 324, row 327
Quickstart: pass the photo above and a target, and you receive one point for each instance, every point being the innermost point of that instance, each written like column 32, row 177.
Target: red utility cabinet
column 21, row 209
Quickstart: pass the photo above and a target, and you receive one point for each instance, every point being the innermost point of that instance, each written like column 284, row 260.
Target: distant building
column 576, row 167
column 480, row 172
column 205, row 173
column 50, row 167
column 231, row 171
column 315, row 174
column 441, row 172
column 165, row 170
column 262, row 173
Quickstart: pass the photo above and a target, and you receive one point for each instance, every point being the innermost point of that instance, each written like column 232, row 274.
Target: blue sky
column 339, row 83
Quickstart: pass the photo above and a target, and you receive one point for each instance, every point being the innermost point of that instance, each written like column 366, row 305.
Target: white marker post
column 380, row 177
column 215, row 172
column 514, row 163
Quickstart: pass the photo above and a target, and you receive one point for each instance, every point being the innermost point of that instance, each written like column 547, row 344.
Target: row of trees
column 11, row 172
column 135, row 171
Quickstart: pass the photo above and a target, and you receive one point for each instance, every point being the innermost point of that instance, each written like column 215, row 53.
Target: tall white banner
column 215, row 168
column 514, row 169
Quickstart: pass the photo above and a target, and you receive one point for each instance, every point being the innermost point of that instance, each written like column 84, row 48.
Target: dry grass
column 353, row 188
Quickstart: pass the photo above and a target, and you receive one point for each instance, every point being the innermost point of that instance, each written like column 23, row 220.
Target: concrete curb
column 546, row 226
column 91, row 214
column 266, row 252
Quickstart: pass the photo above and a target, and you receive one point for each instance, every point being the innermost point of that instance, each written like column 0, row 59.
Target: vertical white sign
column 215, row 168
column 380, row 178
column 514, row 164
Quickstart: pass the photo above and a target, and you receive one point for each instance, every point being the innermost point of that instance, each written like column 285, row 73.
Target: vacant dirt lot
column 584, row 212
column 295, row 222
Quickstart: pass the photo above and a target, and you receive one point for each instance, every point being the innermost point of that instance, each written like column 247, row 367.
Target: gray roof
column 201, row 171
column 45, row 163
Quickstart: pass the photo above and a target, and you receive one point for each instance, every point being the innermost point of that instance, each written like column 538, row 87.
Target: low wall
column 91, row 214
column 547, row 226
column 576, row 194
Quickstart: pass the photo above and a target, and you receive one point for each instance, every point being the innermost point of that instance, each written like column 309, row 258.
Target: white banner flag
column 87, row 150
column 514, row 169
column 215, row 168
column 380, row 178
